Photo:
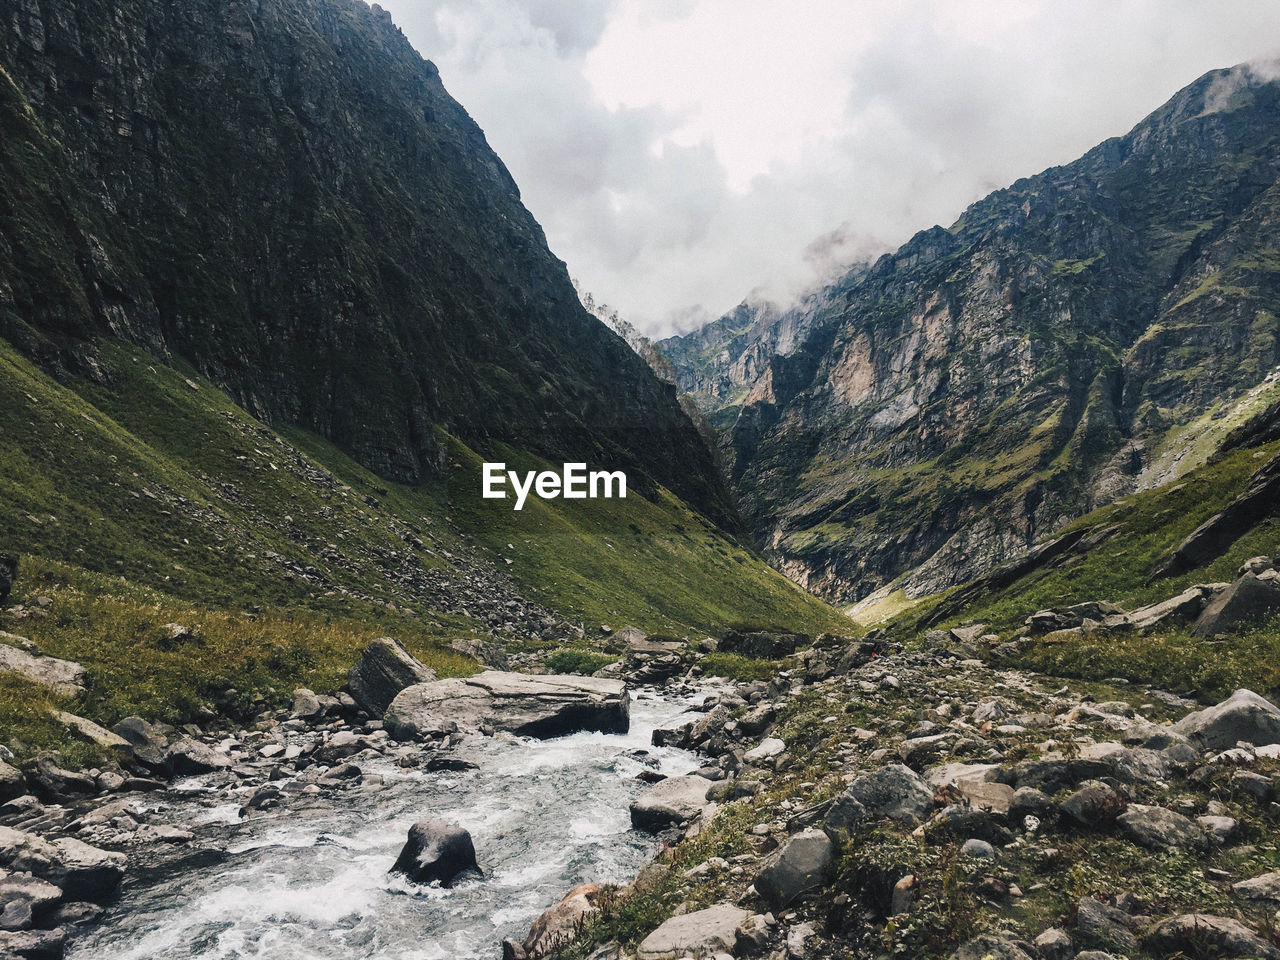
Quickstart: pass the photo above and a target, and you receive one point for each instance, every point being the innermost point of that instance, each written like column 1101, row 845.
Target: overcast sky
column 684, row 154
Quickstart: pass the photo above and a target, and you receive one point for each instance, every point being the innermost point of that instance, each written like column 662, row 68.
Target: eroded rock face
column 534, row 706
column 383, row 670
column 436, row 852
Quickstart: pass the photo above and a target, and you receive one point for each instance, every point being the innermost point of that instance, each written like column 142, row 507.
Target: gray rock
column 1196, row 933
column 53, row 784
column 33, row 944
column 306, row 705
column 384, row 670
column 1029, row 802
column 90, row 731
column 768, row 748
column 1265, row 887
column 24, row 899
column 8, row 573
column 956, row 823
column 558, row 924
column 535, row 706
column 701, row 934
column 1219, row 829
column 481, row 651
column 436, row 852
column 64, row 677
column 83, row 872
column 1159, row 829
column 798, row 867
column 1101, row 925
column 1054, row 944
column 1094, row 804
column 189, row 758
column 670, row 802
column 1183, row 608
column 1247, row 601
column 975, row 849
column 894, row 791
column 988, row 947
column 1242, row 716
column 762, row 644
column 12, row 782
column 752, row 937
column 148, row 741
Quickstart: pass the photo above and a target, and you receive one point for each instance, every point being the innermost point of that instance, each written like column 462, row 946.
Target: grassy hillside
column 149, row 498
column 1144, row 529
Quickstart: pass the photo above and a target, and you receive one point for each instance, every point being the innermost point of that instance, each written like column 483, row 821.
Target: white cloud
column 683, row 153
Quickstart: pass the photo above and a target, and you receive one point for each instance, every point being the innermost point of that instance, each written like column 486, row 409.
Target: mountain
column 1086, row 333
column 267, row 303
column 284, row 195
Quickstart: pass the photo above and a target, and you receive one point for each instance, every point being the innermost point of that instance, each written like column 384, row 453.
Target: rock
column 558, row 924
column 956, row 823
column 1244, row 716
column 1054, row 944
column 12, row 782
column 481, row 651
column 768, row 749
column 384, row 670
column 1095, row 804
column 8, row 573
column 798, row 867
column 64, row 677
column 1247, row 601
column 1101, row 925
column 762, row 644
column 987, row 947
column 83, row 872
column 670, row 802
column 975, row 849
column 24, row 900
column 1028, row 802
column 436, row 852
column 701, row 934
column 306, row 705
column 91, row 732
column 1184, row 608
column 33, row 944
column 189, row 758
column 971, row 784
column 534, row 706
column 752, row 937
column 1219, row 829
column 53, row 784
column 147, row 741
column 894, row 791
column 1159, row 829
column 1196, row 934
column 1265, row 887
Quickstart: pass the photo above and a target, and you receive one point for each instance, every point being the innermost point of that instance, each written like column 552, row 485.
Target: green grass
column 151, row 498
column 571, row 660
column 734, row 666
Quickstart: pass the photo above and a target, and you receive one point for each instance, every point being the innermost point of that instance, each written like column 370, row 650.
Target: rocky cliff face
column 282, row 194
column 1082, row 334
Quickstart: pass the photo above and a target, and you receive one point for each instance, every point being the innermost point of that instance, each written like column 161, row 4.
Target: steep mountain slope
column 1085, row 333
column 283, row 194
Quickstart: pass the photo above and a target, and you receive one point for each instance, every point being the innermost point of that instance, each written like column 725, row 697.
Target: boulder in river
column 436, row 852
column 383, row 670
column 533, row 706
column 1242, row 716
column 670, row 802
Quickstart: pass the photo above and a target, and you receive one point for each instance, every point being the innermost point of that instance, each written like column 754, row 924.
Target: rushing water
column 313, row 885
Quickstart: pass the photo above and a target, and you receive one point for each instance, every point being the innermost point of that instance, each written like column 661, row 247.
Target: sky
column 685, row 155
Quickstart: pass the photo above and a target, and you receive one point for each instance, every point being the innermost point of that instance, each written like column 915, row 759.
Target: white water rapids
column 313, row 884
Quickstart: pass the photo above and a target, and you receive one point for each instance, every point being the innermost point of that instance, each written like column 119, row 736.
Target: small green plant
column 570, row 660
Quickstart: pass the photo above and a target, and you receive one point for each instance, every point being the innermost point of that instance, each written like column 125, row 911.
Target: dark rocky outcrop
column 383, row 670
column 436, row 852
column 82, row 872
column 763, row 644
column 8, row 573
column 285, row 196
column 1246, row 602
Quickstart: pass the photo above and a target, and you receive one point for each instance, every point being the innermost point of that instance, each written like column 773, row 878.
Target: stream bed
column 312, row 884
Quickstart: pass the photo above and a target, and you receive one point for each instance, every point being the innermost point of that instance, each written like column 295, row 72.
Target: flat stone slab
column 525, row 704
column 63, row 677
column 701, row 934
column 669, row 802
